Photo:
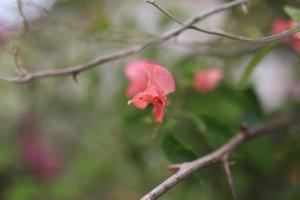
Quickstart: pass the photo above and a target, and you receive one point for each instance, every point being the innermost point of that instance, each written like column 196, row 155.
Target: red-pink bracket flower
column 149, row 84
column 280, row 25
column 207, row 80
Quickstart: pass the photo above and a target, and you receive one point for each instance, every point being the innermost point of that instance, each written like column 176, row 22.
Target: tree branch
column 229, row 35
column 23, row 17
column 76, row 69
column 184, row 170
column 226, row 167
column 165, row 12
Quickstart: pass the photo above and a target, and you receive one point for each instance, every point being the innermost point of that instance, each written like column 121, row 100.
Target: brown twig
column 23, row 17
column 226, row 167
column 152, row 2
column 76, row 69
column 21, row 71
column 184, row 170
column 225, row 34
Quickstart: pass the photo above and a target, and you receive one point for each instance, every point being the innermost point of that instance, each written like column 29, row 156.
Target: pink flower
column 41, row 160
column 207, row 80
column 149, row 84
column 4, row 34
column 280, row 25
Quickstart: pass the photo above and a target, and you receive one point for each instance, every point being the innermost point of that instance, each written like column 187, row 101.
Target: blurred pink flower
column 150, row 83
column 207, row 80
column 4, row 34
column 43, row 162
column 136, row 74
column 280, row 25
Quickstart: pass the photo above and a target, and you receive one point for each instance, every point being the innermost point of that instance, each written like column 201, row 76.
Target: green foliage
column 257, row 58
column 278, row 4
column 293, row 12
column 6, row 156
column 26, row 189
column 175, row 150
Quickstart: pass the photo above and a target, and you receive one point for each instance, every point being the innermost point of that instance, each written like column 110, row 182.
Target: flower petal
column 150, row 83
column 136, row 74
column 162, row 77
column 155, row 96
column 207, row 80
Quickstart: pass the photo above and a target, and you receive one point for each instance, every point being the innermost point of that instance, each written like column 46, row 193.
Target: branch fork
column 188, row 24
column 220, row 155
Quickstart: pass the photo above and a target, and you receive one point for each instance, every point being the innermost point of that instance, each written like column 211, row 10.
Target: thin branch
column 99, row 60
column 262, row 40
column 23, row 17
column 184, row 170
column 226, row 166
column 228, row 35
column 121, row 54
column 19, row 64
column 152, row 2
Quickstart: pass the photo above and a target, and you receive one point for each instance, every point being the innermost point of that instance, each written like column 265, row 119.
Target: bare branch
column 19, row 65
column 152, row 2
column 189, row 24
column 184, row 170
column 229, row 35
column 121, row 54
column 261, row 40
column 23, row 17
column 227, row 171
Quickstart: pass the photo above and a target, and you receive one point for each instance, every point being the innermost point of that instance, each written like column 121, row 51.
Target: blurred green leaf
column 293, row 12
column 257, row 58
column 222, row 104
column 278, row 4
column 176, row 151
column 24, row 189
column 200, row 124
column 6, row 156
column 217, row 133
column 260, row 154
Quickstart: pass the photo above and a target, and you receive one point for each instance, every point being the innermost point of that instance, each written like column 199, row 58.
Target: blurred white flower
column 273, row 78
column 10, row 17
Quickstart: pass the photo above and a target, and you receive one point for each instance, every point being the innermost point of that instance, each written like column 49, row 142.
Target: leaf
column 200, row 124
column 6, row 156
column 24, row 189
column 217, row 133
column 176, row 151
column 257, row 58
column 256, row 153
column 293, row 12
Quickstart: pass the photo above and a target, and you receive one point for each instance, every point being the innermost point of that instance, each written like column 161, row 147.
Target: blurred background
column 65, row 140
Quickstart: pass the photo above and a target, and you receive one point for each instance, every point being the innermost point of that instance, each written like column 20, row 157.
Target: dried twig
column 228, row 35
column 21, row 71
column 77, row 69
column 152, row 2
column 184, row 170
column 23, row 17
column 226, row 166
